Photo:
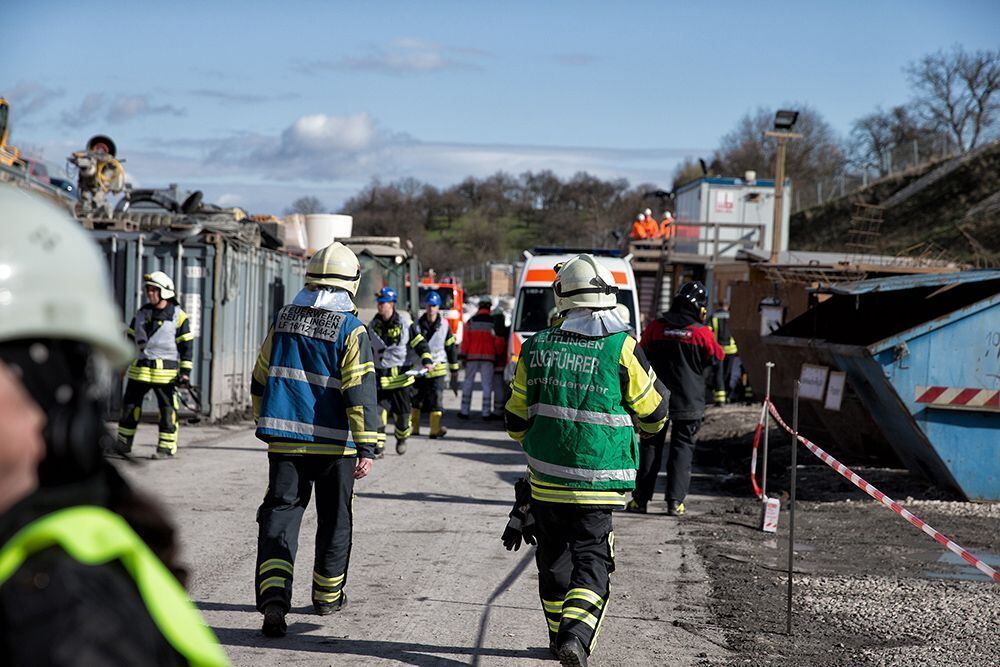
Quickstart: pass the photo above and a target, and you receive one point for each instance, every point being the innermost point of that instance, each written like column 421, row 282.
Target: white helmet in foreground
column 161, row 281
column 43, row 251
column 335, row 266
column 582, row 282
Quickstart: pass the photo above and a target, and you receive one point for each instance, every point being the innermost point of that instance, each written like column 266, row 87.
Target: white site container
column 322, row 229
column 745, row 200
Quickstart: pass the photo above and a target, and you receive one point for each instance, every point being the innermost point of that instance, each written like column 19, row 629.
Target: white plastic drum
column 322, row 229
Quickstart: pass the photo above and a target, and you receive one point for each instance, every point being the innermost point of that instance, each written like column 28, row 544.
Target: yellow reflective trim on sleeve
column 275, row 564
column 181, row 318
column 587, row 595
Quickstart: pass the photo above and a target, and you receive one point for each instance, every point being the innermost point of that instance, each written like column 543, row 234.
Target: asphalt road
column 429, row 581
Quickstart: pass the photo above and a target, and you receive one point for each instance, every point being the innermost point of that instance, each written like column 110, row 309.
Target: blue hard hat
column 387, row 295
column 433, row 299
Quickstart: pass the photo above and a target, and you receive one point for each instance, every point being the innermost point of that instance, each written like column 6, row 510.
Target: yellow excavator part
column 8, row 154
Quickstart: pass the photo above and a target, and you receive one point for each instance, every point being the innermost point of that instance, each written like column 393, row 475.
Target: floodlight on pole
column 784, row 121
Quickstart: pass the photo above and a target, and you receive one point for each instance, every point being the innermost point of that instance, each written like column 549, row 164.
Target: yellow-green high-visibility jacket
column 720, row 327
column 96, row 536
column 571, row 407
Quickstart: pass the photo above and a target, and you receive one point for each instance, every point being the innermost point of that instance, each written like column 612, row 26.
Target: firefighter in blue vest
column 394, row 336
column 576, row 389
column 444, row 354
column 162, row 334
column 316, row 408
column 79, row 584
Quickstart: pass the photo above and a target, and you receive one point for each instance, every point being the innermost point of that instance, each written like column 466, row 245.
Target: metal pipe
column 179, row 280
column 138, row 259
column 791, row 504
column 767, row 427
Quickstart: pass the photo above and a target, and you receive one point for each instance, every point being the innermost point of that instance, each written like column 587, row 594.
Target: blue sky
column 257, row 103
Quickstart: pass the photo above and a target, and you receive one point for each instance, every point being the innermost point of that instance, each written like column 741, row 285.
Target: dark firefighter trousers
column 396, row 402
column 727, row 376
column 679, row 454
column 290, row 483
column 575, row 556
column 430, row 393
column 166, row 400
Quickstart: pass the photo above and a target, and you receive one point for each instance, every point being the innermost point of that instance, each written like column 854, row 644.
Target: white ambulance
column 535, row 301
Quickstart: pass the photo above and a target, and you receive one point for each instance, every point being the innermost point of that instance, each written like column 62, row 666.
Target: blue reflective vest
column 302, row 399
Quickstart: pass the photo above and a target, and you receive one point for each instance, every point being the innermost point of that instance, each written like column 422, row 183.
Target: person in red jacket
column 679, row 347
column 479, row 350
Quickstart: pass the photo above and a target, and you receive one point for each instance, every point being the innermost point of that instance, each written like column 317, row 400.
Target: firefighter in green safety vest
column 394, row 335
column 78, row 583
column 726, row 371
column 577, row 387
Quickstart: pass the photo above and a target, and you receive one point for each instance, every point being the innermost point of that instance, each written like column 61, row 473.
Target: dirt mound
column 950, row 207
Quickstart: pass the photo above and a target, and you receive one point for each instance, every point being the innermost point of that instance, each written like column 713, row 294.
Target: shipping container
column 229, row 289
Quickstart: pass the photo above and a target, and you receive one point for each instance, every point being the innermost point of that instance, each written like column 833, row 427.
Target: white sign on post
column 812, row 381
column 771, row 318
column 835, row 390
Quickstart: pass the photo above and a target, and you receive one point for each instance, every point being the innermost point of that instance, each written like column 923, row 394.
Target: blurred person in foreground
column 88, row 574
column 576, row 389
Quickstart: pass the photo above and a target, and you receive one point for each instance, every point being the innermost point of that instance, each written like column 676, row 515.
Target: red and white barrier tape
column 885, row 500
column 757, row 491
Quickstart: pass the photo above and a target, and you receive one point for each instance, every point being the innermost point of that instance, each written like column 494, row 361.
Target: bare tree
column 817, row 158
column 956, row 91
column 306, row 206
column 883, row 138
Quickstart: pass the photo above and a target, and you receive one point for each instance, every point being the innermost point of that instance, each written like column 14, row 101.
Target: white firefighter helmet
column 648, row 213
column 53, row 281
column 161, row 281
column 581, row 282
column 335, row 266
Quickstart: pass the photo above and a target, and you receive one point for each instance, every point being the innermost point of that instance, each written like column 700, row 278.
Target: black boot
column 572, row 653
column 274, row 620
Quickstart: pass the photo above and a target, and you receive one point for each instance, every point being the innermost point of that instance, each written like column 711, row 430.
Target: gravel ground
column 870, row 589
column 429, row 580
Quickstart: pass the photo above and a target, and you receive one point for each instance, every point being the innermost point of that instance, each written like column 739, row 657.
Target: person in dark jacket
column 86, row 563
column 680, row 347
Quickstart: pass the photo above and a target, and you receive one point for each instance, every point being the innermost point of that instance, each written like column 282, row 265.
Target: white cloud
column 332, row 157
column 127, row 107
column 404, row 55
column 322, row 133
column 86, row 113
column 119, row 109
column 28, row 97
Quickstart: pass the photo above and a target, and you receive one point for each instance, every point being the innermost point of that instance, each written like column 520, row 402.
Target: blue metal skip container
column 922, row 355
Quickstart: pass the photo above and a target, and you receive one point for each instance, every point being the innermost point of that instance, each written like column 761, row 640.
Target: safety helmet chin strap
column 600, row 285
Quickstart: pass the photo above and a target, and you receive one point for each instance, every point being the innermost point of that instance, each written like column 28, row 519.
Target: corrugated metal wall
column 228, row 289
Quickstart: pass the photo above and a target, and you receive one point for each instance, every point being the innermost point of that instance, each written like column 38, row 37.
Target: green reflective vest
column 581, row 435
column 96, row 536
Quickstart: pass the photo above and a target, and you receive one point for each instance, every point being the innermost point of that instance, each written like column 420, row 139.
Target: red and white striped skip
column 959, row 398
column 856, row 479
